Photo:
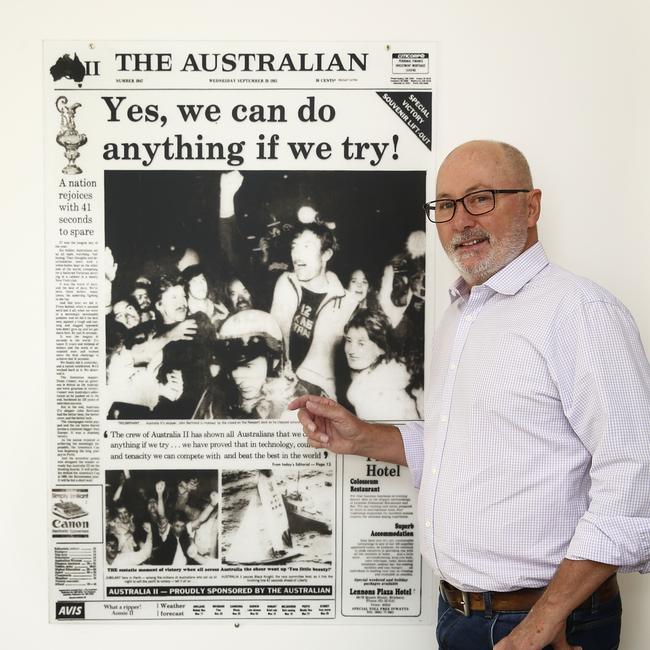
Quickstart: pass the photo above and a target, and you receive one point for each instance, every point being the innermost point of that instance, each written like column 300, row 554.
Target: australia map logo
column 74, row 69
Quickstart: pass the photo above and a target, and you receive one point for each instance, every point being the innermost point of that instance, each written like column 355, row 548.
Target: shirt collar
column 512, row 277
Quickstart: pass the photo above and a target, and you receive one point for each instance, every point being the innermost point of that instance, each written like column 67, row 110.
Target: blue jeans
column 597, row 628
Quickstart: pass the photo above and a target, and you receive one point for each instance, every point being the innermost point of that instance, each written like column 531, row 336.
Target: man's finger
column 315, row 437
column 307, row 422
column 323, row 407
column 298, row 402
column 319, row 437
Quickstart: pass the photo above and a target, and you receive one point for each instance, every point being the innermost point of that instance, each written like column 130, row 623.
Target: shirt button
column 434, row 471
column 452, row 366
column 443, row 418
column 469, row 319
column 427, row 524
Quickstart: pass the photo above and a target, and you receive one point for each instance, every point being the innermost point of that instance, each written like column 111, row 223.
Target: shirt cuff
column 621, row 541
column 412, row 437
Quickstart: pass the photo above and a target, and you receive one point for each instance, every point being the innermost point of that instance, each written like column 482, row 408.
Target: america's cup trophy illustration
column 68, row 136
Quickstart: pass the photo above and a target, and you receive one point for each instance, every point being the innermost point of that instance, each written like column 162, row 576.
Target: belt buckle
column 465, row 602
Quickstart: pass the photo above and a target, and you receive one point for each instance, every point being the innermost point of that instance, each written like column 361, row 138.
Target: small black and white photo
column 162, row 518
column 272, row 517
column 228, row 294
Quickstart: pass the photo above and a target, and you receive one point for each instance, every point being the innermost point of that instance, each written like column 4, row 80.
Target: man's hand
column 536, row 635
column 173, row 389
column 160, row 487
column 533, row 635
column 229, row 184
column 183, row 331
column 327, row 424
column 146, row 526
column 110, row 265
column 572, row 584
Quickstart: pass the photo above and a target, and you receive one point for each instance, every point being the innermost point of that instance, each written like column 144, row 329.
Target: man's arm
column 138, row 557
column 209, row 511
column 160, row 505
column 328, row 425
column 603, row 379
column 229, row 184
column 110, row 270
column 573, row 583
column 124, row 477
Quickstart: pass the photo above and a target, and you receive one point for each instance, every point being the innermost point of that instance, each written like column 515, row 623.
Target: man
column 253, row 381
column 238, row 296
column 311, row 306
column 178, row 532
column 124, row 558
column 140, row 293
column 533, row 461
column 192, row 354
column 198, row 299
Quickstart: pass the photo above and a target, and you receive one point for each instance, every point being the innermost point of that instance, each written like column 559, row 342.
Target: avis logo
column 70, row 610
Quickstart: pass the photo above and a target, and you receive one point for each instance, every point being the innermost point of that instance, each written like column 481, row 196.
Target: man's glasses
column 476, row 203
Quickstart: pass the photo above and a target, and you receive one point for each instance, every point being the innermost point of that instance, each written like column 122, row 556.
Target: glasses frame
column 429, row 207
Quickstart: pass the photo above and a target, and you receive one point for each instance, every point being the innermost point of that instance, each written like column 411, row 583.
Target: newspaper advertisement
column 231, row 226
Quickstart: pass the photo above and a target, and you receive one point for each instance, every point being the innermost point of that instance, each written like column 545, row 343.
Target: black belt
column 466, row 602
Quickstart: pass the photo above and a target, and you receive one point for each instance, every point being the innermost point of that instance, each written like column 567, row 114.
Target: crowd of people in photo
column 274, row 324
column 150, row 520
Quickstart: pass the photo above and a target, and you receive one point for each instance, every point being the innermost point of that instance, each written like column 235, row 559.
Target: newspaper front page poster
column 230, row 226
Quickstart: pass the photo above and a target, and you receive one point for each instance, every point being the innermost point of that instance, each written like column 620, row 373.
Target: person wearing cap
column 254, row 380
column 533, row 460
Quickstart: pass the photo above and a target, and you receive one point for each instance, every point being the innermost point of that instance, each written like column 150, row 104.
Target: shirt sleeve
column 412, row 437
column 603, row 379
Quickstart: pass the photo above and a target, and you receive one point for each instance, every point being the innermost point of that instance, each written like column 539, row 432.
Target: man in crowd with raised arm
column 312, row 307
column 533, row 461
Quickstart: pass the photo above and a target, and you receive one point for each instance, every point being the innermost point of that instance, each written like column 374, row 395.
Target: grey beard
column 501, row 253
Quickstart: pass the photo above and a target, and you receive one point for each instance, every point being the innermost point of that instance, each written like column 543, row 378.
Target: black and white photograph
column 230, row 293
column 162, row 518
column 273, row 517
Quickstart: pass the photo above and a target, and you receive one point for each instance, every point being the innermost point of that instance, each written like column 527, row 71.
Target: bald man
column 533, row 461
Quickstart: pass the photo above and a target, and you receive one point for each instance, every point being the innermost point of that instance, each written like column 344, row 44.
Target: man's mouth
column 470, row 244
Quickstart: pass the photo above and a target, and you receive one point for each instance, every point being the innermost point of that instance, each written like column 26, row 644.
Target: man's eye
column 444, row 205
column 480, row 199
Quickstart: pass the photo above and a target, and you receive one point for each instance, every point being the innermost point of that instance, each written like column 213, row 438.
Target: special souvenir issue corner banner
column 230, row 226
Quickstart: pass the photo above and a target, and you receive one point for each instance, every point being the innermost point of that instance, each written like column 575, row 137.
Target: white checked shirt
column 536, row 440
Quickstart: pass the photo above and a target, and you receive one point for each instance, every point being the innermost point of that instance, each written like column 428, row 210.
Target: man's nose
column 463, row 219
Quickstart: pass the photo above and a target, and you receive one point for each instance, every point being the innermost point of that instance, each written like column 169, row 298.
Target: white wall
column 566, row 81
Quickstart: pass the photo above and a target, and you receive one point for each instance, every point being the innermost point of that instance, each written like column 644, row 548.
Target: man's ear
column 327, row 255
column 534, row 207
